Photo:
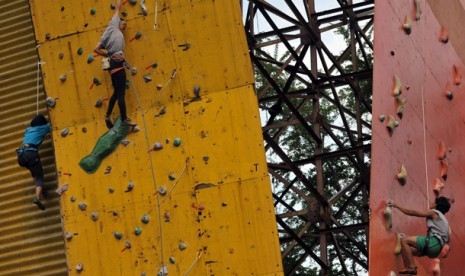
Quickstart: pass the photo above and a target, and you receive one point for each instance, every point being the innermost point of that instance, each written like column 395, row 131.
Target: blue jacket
column 34, row 135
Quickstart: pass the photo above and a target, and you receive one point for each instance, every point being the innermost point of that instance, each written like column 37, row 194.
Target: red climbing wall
column 427, row 68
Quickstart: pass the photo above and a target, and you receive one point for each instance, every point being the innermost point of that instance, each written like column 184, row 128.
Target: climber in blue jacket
column 28, row 154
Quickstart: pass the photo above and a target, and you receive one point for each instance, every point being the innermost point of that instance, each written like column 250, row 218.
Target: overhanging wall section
column 31, row 240
column 217, row 212
column 428, row 140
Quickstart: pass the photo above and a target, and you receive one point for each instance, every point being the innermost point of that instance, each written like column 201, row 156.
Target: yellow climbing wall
column 216, row 217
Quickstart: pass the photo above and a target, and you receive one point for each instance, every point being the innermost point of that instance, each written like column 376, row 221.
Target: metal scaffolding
column 315, row 101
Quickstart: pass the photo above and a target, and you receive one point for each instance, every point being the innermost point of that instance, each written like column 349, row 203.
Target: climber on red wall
column 28, row 154
column 112, row 40
column 437, row 236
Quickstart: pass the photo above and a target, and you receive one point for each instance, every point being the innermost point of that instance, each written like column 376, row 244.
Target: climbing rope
column 150, row 159
column 155, row 27
column 177, row 180
column 424, row 134
column 37, row 86
column 199, row 254
column 173, row 74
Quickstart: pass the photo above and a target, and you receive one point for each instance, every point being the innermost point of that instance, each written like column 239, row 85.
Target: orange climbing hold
column 444, row 36
column 402, row 176
column 443, row 168
column 438, row 186
column 442, row 151
column 457, row 76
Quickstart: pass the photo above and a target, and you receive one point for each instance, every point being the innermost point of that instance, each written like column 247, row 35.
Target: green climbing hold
column 137, row 231
column 177, row 142
column 80, row 51
column 104, row 147
column 93, row 11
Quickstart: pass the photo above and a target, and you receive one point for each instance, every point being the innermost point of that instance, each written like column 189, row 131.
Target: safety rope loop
column 177, row 180
column 198, row 255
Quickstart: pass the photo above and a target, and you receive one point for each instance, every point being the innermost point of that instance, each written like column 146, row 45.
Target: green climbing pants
column 434, row 246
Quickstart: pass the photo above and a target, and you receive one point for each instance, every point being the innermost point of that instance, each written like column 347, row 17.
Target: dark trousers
column 118, row 80
column 30, row 159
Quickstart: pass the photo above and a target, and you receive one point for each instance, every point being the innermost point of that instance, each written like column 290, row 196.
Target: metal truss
column 315, row 102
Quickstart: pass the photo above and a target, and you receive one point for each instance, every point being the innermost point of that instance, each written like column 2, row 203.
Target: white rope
column 424, row 135
column 199, row 254
column 37, row 86
column 173, row 74
column 155, row 27
column 150, row 159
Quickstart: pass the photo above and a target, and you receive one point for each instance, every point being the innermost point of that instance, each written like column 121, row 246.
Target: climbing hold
column 182, row 246
column 135, row 128
column 137, row 231
column 437, row 186
column 80, row 51
column 172, row 260
column 132, row 2
column 61, row 55
column 90, row 58
column 443, row 168
column 205, row 159
column 79, row 267
column 127, row 84
column 197, row 91
column 171, row 177
column 382, row 118
column 47, row 36
column 147, row 78
column 398, row 248
column 124, row 13
column 153, row 65
column 112, row 6
column 392, row 273
column 224, row 204
column 457, row 75
column 93, row 11
column 391, row 125
column 186, row 46
column 129, row 187
column 124, row 142
column 64, row 132
column 136, row 36
column 397, row 86
column 117, row 235
column 105, row 146
column 144, row 9
column 82, row 206
column 134, row 70
column 63, row 77
column 159, row 86
column 407, row 25
column 145, row 219
column 63, row 188
column 448, row 92
column 72, row 198
column 442, row 151
column 111, row 190
column 127, row 244
column 162, row 190
column 400, row 106
column 84, row 129
column 96, row 81
column 402, row 176
column 444, row 36
column 201, row 207
column 177, row 142
column 98, row 103
column 417, row 10
column 68, row 235
column 167, row 216
column 163, row 271
column 157, row 146
column 94, row 216
column 107, row 170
